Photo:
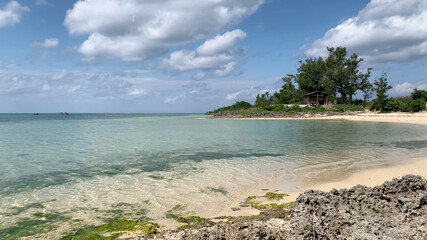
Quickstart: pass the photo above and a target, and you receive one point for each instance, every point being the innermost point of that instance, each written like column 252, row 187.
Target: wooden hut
column 316, row 98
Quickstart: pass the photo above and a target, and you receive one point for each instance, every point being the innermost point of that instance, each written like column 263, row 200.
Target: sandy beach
column 368, row 177
column 408, row 118
column 412, row 118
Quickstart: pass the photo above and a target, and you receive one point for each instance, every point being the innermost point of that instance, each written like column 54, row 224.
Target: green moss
column 26, row 207
column 188, row 226
column 176, row 211
column 113, row 229
column 156, row 177
column 179, row 207
column 250, row 202
column 191, row 219
column 275, row 196
column 123, row 204
column 170, row 215
column 221, row 190
column 37, row 224
column 228, row 218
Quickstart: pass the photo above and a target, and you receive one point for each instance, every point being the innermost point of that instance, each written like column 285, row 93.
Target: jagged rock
column 394, row 210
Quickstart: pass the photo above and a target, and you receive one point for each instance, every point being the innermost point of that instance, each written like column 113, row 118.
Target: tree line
column 337, row 75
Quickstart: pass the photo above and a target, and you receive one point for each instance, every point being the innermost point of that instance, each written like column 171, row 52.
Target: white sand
column 411, row 118
column 370, row 177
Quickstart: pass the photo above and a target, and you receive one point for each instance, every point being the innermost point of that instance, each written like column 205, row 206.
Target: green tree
column 381, row 88
column 366, row 86
column 419, row 94
column 355, row 77
column 288, row 94
column 311, row 75
column 336, row 73
column 263, row 100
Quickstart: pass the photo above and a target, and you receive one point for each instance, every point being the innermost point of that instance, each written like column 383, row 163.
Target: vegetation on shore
column 341, row 78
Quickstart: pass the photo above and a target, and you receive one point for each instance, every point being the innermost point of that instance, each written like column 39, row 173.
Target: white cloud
column 248, row 93
column 136, row 30
column 41, row 2
column 138, row 92
column 11, row 13
column 213, row 54
column 176, row 98
column 199, row 75
column 48, row 43
column 406, row 88
column 226, row 69
column 221, row 43
column 384, row 31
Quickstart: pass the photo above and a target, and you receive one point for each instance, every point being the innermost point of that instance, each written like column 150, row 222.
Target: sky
column 189, row 56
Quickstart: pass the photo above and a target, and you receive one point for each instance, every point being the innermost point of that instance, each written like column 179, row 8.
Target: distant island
column 328, row 87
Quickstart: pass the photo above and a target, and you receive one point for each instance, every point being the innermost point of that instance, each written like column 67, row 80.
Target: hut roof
column 324, row 93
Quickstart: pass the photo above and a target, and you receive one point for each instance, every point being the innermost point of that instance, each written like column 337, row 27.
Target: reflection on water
column 85, row 168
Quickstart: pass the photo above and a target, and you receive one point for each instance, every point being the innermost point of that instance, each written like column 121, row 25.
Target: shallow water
column 85, row 168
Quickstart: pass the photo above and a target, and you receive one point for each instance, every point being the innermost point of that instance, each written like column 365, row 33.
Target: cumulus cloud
column 384, row 31
column 11, row 14
column 136, row 30
column 406, row 88
column 226, row 69
column 248, row 93
column 214, row 54
column 48, row 43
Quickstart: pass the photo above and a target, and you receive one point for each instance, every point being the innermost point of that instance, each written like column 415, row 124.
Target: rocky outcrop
column 394, row 210
column 279, row 114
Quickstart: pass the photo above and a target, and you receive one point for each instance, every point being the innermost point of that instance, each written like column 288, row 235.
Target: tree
column 366, row 86
column 419, row 94
column 288, row 93
column 263, row 100
column 311, row 75
column 355, row 77
column 337, row 78
column 381, row 88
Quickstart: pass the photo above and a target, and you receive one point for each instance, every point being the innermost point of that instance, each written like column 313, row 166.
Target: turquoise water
column 92, row 167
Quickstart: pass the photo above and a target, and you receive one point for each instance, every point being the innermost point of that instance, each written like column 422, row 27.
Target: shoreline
column 402, row 180
column 366, row 177
column 407, row 118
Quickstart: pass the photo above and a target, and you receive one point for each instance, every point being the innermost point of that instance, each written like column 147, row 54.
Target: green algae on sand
column 113, row 229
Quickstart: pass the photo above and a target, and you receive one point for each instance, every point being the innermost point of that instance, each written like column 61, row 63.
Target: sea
column 59, row 173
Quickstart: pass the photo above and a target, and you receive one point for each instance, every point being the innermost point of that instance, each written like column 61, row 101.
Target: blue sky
column 192, row 56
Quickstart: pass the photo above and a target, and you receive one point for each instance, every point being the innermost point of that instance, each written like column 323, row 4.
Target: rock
column 394, row 210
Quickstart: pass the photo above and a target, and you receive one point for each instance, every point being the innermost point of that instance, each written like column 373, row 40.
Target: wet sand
column 368, row 177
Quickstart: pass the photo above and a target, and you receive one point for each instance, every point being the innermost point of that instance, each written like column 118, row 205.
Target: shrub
column 417, row 105
column 345, row 107
column 391, row 105
column 295, row 108
column 413, row 106
column 419, row 94
column 236, row 106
